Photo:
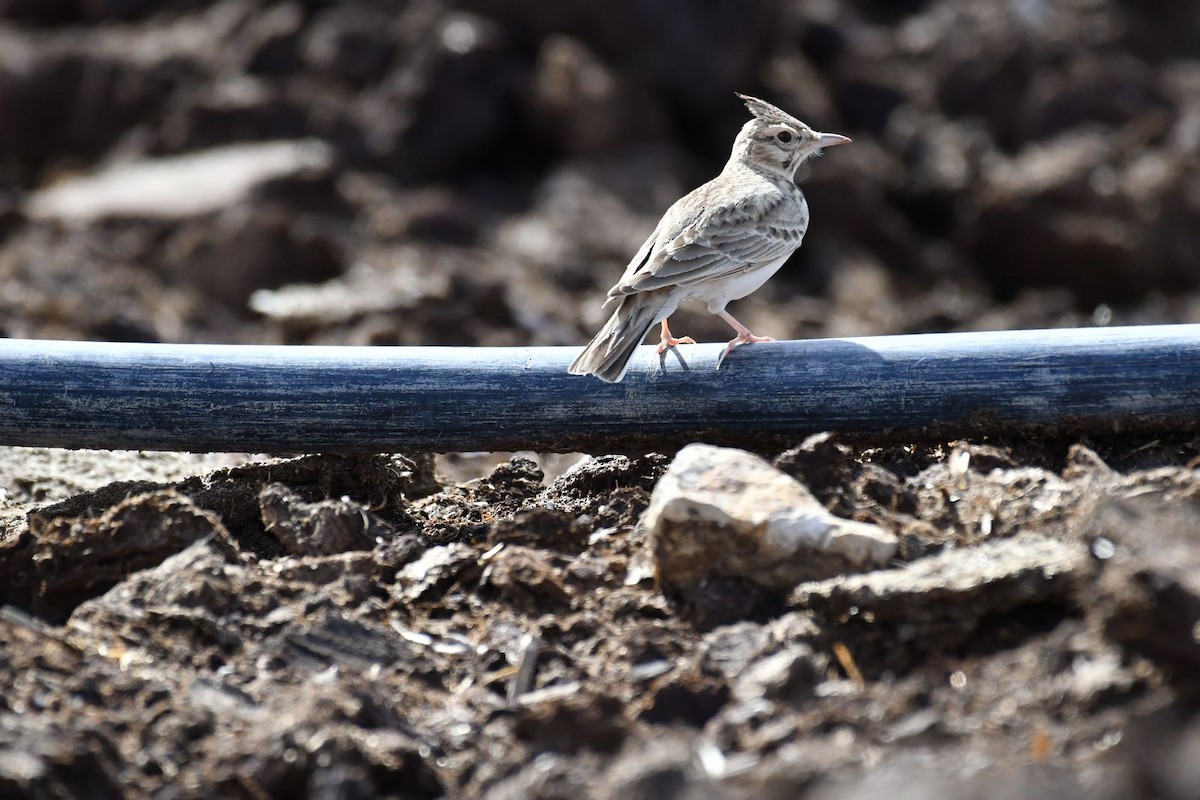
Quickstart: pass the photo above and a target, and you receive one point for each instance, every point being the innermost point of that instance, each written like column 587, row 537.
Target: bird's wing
column 642, row 256
column 719, row 241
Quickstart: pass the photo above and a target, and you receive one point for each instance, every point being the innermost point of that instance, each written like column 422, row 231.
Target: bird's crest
column 767, row 112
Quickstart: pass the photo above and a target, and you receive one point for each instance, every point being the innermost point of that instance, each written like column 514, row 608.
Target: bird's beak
column 830, row 139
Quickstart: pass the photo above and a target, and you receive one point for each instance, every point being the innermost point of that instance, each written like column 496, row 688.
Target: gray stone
column 787, row 674
column 948, row 591
column 720, row 512
column 436, row 569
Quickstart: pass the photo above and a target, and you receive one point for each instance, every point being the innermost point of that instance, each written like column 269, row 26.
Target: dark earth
column 480, row 625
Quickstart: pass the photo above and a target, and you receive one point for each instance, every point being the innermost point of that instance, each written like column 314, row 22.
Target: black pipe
column 356, row 399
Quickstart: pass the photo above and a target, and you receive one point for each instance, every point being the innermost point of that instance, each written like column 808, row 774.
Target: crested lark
column 718, row 243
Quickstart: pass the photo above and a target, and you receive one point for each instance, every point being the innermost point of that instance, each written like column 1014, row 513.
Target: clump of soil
column 505, row 636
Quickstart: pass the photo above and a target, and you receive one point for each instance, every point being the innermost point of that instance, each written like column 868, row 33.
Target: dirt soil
column 490, row 625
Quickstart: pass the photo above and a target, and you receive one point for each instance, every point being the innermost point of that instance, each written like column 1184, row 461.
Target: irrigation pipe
column 356, row 399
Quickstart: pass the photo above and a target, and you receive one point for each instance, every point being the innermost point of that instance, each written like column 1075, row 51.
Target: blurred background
column 474, row 172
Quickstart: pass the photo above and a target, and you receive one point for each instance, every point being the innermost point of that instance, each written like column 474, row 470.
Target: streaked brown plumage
column 718, row 243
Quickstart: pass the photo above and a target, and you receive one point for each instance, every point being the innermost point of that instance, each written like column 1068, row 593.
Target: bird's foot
column 667, row 342
column 742, row 338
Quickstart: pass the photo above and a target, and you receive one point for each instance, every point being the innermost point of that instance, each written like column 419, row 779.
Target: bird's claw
column 670, row 341
column 748, row 338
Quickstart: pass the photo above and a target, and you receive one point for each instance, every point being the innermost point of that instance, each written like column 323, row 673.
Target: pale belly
column 716, row 294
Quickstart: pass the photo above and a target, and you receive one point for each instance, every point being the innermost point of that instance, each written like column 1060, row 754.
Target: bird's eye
column 784, row 136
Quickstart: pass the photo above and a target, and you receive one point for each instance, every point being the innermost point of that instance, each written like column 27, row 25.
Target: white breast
column 716, row 294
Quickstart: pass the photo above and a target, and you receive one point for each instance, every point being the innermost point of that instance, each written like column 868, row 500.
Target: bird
column 716, row 244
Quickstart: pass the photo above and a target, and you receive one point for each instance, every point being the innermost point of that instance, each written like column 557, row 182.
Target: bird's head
column 778, row 142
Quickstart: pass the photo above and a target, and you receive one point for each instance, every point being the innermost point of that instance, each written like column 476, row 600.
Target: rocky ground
column 1019, row 617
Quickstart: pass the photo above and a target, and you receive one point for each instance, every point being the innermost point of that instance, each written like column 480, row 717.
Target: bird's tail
column 607, row 355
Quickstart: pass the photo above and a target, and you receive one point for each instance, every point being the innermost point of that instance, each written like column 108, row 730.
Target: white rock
column 178, row 186
column 436, row 567
column 792, row 670
column 724, row 512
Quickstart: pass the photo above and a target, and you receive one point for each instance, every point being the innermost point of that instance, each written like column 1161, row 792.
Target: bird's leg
column 667, row 341
column 744, row 336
